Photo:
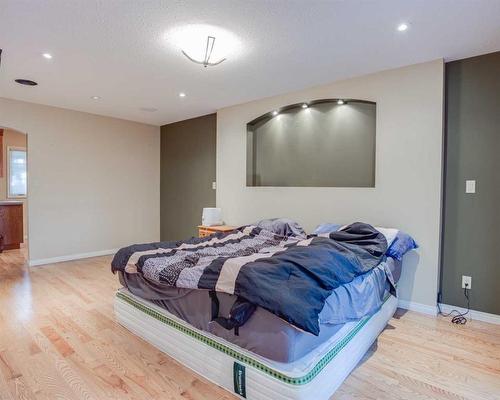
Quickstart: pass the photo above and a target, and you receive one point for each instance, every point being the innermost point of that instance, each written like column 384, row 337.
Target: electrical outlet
column 466, row 280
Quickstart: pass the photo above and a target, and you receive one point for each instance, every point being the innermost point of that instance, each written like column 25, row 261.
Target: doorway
column 13, row 193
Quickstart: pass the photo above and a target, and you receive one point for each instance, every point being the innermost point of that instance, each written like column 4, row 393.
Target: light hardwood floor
column 59, row 340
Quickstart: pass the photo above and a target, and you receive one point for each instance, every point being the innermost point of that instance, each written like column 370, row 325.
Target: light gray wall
column 408, row 168
column 93, row 181
column 323, row 145
column 471, row 234
column 187, row 173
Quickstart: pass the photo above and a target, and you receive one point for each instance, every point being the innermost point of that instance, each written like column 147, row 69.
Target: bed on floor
column 263, row 313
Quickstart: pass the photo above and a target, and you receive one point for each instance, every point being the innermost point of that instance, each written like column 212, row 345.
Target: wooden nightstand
column 204, row 231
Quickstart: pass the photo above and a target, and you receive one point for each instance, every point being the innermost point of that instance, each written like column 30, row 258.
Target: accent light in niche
column 275, row 113
column 340, row 102
column 402, row 27
column 304, row 105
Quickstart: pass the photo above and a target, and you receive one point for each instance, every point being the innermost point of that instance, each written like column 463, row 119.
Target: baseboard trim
column 473, row 314
column 446, row 308
column 418, row 307
column 70, row 257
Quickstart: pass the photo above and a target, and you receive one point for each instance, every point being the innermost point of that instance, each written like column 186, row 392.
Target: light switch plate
column 470, row 186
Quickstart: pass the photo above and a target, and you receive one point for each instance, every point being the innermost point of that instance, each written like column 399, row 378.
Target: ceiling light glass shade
column 191, row 40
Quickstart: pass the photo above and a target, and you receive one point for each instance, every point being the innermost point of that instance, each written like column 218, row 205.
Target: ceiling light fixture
column 95, row 97
column 26, row 82
column 205, row 45
column 208, row 54
column 148, row 109
column 340, row 102
column 182, row 94
column 402, row 27
column 48, row 56
column 304, row 105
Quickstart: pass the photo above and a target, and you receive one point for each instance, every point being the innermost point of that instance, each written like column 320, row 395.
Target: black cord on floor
column 458, row 317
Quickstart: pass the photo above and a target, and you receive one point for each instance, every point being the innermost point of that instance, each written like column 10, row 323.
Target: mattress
column 315, row 375
column 265, row 333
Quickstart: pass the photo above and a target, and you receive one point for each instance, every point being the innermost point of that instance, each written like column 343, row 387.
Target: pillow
column 389, row 233
column 402, row 244
column 326, row 228
column 282, row 227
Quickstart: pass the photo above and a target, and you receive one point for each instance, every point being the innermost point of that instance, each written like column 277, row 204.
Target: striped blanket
column 288, row 276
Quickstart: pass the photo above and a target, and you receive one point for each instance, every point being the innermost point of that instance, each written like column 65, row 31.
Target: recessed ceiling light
column 26, row 82
column 340, row 102
column 48, row 56
column 149, row 109
column 95, row 97
column 275, row 112
column 182, row 94
column 304, row 105
column 402, row 27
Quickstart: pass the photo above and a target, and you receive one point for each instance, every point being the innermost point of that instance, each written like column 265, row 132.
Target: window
column 16, row 165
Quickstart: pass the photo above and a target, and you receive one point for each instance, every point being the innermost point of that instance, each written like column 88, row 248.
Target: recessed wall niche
column 321, row 143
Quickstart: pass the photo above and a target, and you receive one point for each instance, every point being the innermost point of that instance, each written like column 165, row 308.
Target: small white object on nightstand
column 211, row 216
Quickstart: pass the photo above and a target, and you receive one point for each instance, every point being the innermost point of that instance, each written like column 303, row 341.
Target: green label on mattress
column 239, row 379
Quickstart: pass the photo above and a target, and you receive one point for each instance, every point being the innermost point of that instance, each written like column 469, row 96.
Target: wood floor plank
column 59, row 340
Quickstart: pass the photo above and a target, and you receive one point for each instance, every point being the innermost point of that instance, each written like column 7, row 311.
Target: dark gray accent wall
column 471, row 231
column 187, row 172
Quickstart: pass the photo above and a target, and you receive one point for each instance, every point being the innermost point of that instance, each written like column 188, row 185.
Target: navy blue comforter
column 289, row 277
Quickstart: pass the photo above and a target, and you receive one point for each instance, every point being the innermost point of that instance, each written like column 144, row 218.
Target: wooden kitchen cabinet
column 11, row 224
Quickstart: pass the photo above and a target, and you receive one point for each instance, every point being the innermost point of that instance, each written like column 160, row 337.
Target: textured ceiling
column 117, row 49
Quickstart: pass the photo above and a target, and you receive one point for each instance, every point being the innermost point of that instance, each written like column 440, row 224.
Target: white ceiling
column 116, row 49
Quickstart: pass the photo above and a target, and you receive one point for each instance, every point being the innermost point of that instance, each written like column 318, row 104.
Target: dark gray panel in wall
column 471, row 233
column 187, row 172
column 325, row 144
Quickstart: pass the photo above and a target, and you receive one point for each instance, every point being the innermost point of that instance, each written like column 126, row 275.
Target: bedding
column 252, row 262
column 264, row 333
column 398, row 242
column 282, row 227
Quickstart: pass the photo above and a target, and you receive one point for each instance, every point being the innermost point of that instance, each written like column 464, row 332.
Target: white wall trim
column 418, row 307
column 70, row 257
column 446, row 308
column 473, row 314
